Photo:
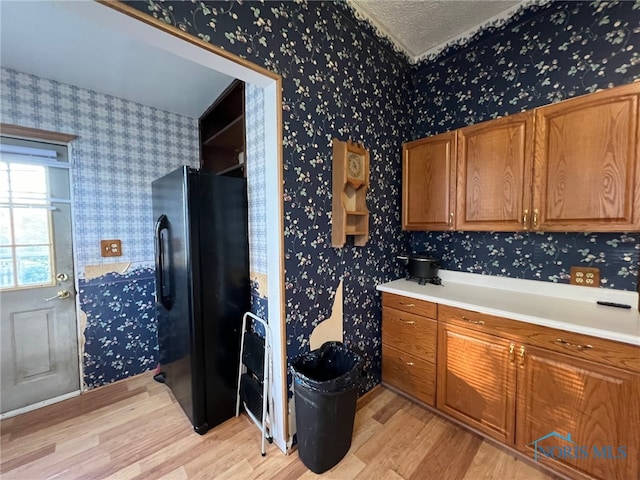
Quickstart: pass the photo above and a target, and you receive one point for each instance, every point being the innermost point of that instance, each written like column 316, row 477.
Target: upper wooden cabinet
column 428, row 183
column 573, row 166
column 587, row 153
column 494, row 174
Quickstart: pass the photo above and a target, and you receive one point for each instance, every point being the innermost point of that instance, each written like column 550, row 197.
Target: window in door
column 26, row 231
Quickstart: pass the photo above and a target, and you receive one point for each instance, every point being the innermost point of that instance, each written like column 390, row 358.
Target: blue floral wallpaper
column 339, row 80
column 536, row 256
column 121, row 334
column 544, row 54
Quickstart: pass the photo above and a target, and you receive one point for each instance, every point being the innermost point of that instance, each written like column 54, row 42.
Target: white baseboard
column 35, row 406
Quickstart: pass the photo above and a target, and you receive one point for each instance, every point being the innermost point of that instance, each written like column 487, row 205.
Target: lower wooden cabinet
column 590, row 414
column 568, row 401
column 563, row 410
column 409, row 340
column 477, row 380
column 410, row 374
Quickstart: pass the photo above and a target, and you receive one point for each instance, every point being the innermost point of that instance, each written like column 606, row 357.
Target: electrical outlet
column 585, row 276
column 111, row 248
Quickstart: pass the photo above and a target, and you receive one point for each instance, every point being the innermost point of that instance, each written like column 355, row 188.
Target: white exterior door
column 39, row 337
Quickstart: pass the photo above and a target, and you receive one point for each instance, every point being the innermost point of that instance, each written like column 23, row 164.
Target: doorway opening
column 139, row 31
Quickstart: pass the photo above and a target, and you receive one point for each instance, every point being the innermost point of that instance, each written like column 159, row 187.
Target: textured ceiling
column 420, row 28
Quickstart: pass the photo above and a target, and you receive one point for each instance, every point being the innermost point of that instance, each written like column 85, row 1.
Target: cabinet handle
column 451, row 220
column 512, row 352
column 408, row 322
column 525, row 219
column 569, row 344
column 535, row 218
column 475, row 322
column 521, row 355
column 406, row 363
column 407, row 304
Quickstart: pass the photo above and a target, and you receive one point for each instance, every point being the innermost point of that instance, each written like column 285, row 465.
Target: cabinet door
column 476, row 380
column 594, row 407
column 586, row 173
column 428, row 183
column 495, row 160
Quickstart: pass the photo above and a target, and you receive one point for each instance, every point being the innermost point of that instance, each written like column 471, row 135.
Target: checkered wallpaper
column 254, row 122
column 121, row 147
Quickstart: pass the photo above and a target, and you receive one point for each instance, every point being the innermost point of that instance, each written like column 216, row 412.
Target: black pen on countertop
column 612, row 304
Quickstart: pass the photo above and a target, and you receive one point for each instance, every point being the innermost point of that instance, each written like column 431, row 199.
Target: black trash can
column 326, row 383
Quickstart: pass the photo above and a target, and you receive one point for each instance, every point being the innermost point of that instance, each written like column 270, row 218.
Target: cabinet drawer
column 615, row 354
column 409, row 374
column 409, row 305
column 608, row 352
column 473, row 320
column 410, row 333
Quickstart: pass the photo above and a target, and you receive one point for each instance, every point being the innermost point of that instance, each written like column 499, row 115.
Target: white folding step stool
column 254, row 377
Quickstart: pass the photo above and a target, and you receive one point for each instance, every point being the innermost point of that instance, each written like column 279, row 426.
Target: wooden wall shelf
column 228, row 135
column 350, row 176
column 222, row 133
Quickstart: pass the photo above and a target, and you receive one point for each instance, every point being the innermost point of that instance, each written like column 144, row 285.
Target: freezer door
column 224, row 258
column 177, row 275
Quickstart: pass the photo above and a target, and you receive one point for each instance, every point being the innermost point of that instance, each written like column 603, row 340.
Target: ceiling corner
column 360, row 9
column 463, row 37
column 422, row 29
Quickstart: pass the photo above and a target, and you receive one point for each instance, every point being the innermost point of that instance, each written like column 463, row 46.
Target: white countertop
column 561, row 306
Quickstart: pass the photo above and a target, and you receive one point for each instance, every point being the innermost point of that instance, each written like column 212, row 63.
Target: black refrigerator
column 202, row 289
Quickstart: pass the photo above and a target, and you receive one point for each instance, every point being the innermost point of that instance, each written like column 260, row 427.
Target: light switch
column 111, row 248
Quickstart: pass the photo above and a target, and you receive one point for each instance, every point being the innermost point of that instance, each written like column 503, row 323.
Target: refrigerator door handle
column 163, row 287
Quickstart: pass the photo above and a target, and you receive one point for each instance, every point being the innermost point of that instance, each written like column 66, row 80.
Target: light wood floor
column 134, row 430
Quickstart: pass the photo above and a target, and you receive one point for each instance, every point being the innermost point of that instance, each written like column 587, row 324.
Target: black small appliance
column 422, row 267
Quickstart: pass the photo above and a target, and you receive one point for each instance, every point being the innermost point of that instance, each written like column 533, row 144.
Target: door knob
column 60, row 295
